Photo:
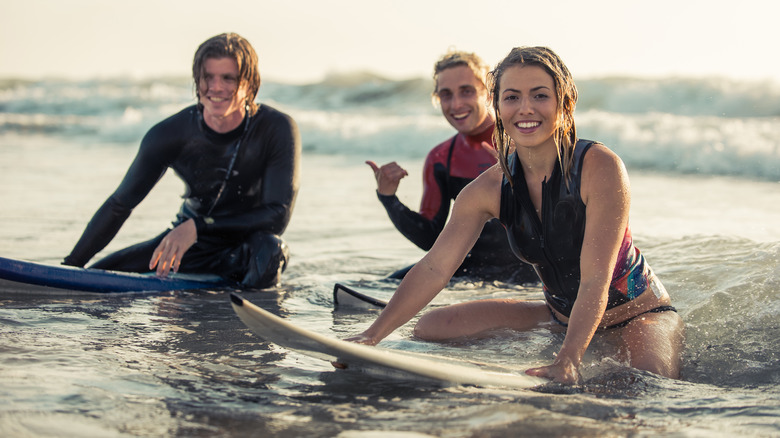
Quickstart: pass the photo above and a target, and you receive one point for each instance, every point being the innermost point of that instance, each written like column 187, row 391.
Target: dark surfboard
column 22, row 276
column 344, row 296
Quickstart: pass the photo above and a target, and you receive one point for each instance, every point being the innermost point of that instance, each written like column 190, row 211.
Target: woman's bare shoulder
column 600, row 155
column 484, row 193
column 603, row 172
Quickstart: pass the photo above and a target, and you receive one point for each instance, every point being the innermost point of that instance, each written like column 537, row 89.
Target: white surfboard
column 376, row 360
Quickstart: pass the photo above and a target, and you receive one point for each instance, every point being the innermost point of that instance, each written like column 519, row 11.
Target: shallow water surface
column 182, row 363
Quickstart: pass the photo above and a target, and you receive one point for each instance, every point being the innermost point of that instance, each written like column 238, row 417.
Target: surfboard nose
column 238, row 301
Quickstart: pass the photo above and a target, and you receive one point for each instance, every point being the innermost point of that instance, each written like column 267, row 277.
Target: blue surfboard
column 21, row 276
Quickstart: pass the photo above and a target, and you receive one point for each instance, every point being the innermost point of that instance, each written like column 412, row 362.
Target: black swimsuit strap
column 658, row 309
column 449, row 161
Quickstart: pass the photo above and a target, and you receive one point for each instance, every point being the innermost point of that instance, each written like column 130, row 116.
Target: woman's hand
column 359, row 339
column 362, row 339
column 562, row 371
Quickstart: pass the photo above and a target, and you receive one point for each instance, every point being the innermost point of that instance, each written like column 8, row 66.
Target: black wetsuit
column 238, row 231
column 553, row 244
column 449, row 167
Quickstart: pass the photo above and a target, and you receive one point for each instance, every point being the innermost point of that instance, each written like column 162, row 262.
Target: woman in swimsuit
column 565, row 205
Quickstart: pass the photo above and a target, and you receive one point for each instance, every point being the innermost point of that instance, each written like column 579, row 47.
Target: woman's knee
column 432, row 324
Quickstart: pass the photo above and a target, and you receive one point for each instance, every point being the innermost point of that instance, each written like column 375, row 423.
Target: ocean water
column 704, row 160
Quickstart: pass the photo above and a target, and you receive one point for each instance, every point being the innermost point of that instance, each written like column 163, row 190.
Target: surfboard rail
column 31, row 276
column 376, row 360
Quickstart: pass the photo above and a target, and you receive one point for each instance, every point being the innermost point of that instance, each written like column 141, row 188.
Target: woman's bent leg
column 475, row 317
column 654, row 342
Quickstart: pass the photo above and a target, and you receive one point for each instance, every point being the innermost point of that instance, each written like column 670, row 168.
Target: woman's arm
column 476, row 204
column 606, row 194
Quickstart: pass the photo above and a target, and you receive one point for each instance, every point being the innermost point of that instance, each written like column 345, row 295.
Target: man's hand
column 387, row 177
column 168, row 254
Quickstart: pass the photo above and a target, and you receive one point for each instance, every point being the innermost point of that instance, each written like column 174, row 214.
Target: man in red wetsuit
column 460, row 89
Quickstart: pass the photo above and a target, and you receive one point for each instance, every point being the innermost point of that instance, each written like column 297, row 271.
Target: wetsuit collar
column 475, row 141
column 228, row 136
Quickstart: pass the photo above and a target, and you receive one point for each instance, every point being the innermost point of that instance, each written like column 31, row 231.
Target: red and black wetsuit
column 449, row 167
column 238, row 231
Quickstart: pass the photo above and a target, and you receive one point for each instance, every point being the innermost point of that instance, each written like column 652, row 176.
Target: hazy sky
column 302, row 40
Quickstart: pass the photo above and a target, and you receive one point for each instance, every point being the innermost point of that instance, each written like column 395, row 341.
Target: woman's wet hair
column 565, row 135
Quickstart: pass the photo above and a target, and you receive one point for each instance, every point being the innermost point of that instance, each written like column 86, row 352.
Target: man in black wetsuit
column 239, row 162
column 459, row 79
